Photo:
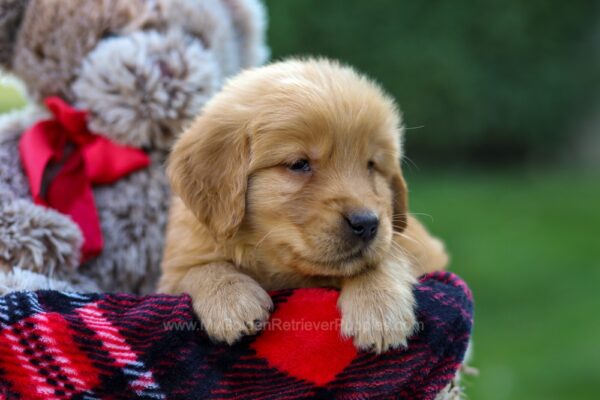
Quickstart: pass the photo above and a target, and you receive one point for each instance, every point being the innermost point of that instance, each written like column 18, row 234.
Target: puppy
column 290, row 177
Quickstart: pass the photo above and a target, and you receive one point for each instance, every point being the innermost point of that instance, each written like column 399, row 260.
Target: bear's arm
column 32, row 237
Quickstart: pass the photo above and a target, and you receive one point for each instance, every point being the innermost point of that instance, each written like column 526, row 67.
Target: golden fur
column 246, row 222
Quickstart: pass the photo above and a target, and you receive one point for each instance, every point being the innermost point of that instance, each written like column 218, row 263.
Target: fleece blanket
column 57, row 345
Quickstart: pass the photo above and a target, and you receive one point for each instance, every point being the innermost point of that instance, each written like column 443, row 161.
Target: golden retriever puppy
column 291, row 177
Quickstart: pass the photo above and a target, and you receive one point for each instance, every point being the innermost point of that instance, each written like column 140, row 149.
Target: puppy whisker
column 267, row 235
column 414, row 127
column 422, row 214
column 403, row 252
column 413, row 214
column 401, row 258
column 410, row 162
column 408, row 237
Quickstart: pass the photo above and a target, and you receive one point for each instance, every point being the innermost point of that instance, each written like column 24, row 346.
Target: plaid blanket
column 56, row 345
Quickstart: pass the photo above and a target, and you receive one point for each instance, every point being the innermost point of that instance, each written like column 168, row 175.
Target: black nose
column 363, row 224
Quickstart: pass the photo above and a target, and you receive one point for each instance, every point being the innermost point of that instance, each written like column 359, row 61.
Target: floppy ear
column 11, row 15
column 208, row 170
column 400, row 200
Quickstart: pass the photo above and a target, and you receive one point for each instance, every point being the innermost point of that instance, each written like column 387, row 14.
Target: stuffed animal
column 83, row 193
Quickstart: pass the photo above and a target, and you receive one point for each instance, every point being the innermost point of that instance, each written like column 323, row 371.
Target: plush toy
column 83, row 194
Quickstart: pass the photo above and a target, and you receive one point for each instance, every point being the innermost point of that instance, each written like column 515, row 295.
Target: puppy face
column 297, row 166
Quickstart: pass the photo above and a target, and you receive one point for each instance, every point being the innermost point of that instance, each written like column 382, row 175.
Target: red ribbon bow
column 63, row 158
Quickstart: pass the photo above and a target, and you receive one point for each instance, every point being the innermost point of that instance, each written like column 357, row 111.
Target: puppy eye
column 300, row 166
column 371, row 165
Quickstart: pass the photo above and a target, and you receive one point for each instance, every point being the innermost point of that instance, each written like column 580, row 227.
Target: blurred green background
column 502, row 102
column 487, row 79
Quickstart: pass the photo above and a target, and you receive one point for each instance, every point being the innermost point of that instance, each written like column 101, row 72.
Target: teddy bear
column 112, row 82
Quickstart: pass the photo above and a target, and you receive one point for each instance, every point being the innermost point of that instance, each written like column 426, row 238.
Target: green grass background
column 527, row 242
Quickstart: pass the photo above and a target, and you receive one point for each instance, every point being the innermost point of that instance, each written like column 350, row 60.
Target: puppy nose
column 363, row 224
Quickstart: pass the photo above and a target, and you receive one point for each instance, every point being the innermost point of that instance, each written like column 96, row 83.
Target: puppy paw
column 237, row 307
column 377, row 320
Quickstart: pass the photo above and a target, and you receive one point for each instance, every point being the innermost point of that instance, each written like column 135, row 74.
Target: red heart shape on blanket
column 303, row 337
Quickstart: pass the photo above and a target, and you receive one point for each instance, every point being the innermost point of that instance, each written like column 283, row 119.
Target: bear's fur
column 142, row 69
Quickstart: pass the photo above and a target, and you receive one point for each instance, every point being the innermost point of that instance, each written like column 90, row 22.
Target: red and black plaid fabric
column 56, row 345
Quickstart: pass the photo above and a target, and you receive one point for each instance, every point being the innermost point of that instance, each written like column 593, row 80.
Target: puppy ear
column 208, row 170
column 400, row 201
column 11, row 15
